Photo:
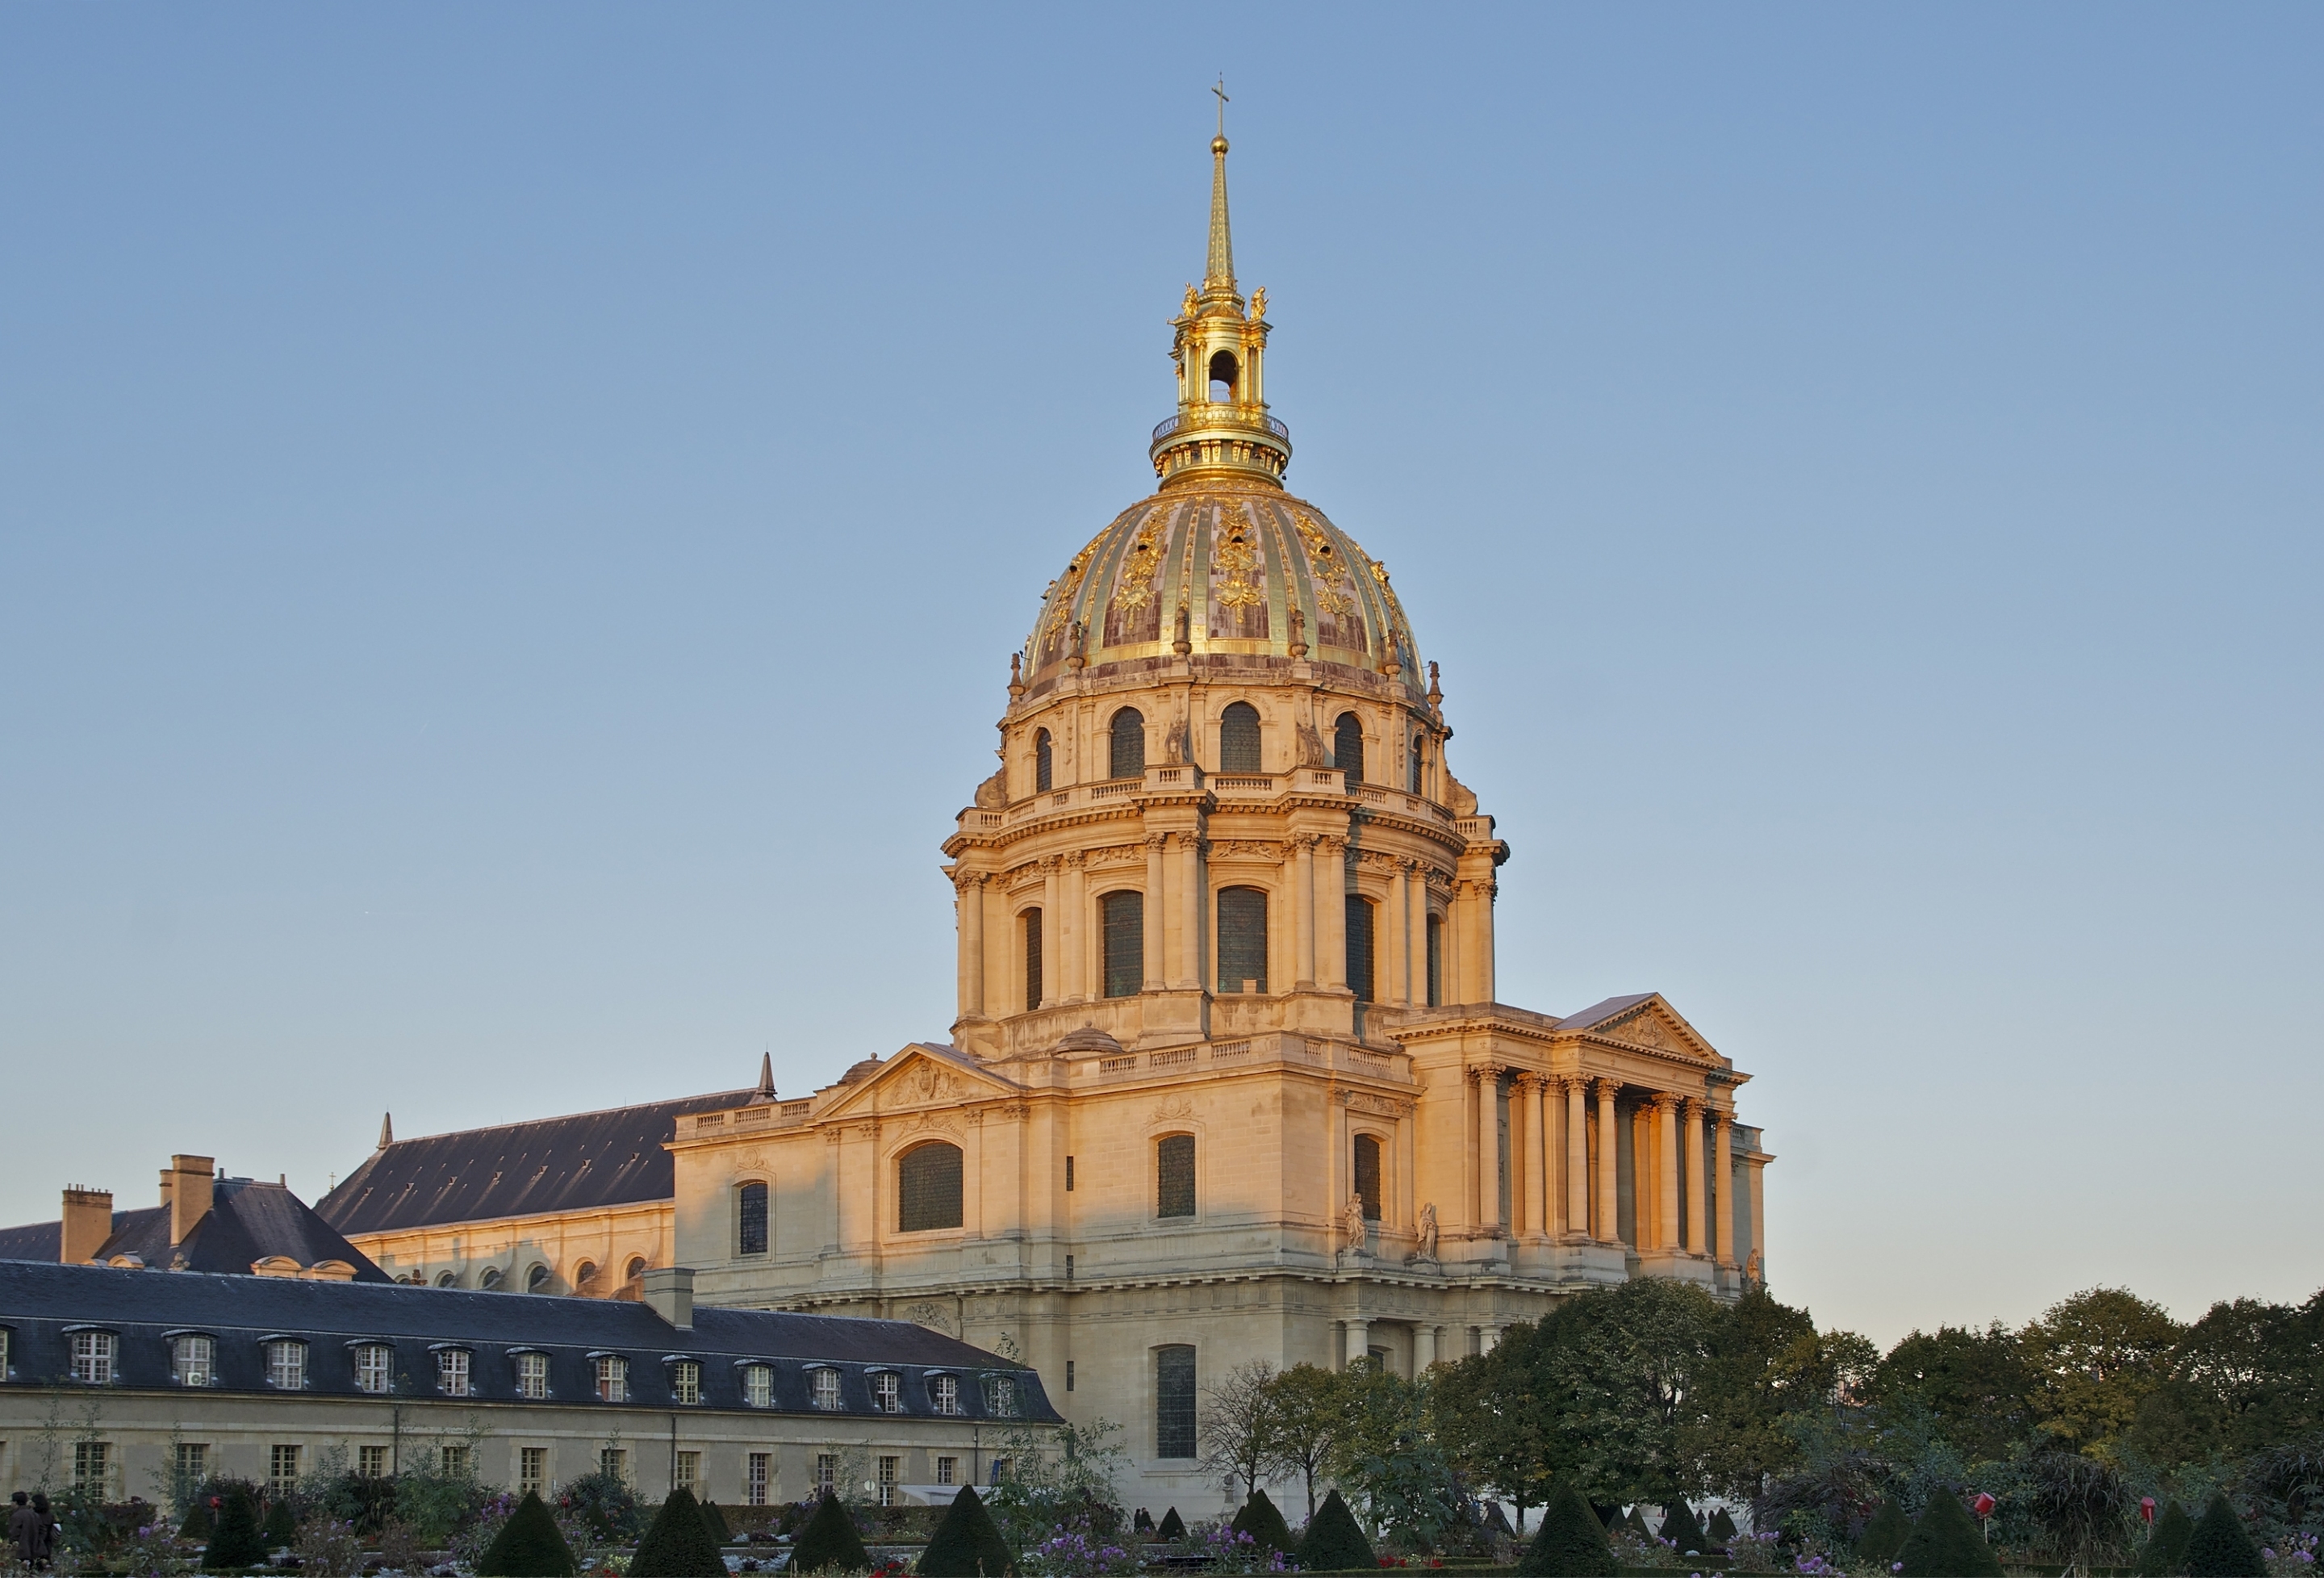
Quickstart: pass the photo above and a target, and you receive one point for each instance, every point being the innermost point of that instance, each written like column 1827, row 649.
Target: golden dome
column 1229, row 578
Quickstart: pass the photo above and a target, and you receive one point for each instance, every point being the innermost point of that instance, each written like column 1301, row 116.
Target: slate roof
column 248, row 1220
column 42, row 1304
column 1598, row 1013
column 583, row 1162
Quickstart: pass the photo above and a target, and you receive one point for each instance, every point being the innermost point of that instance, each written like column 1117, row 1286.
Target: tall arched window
column 1368, row 1175
column 1032, row 924
column 584, row 1275
column 1224, row 375
column 1122, row 918
column 1239, row 739
column 751, row 1219
column 1360, row 947
column 1415, row 763
column 1435, row 960
column 928, row 1187
column 1041, row 762
column 1242, row 939
column 537, row 1279
column 1348, row 746
column 1126, row 755
column 1174, row 1175
column 1174, row 1401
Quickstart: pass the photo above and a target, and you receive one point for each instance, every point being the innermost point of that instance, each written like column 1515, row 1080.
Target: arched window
column 447, row 1280
column 1360, row 947
column 928, row 1187
column 1032, row 960
column 751, row 1219
column 1174, row 1175
column 1435, row 960
column 637, row 1270
column 1123, row 920
column 1239, row 739
column 1348, row 746
column 1242, row 939
column 1415, row 762
column 1174, row 1401
column 1041, row 762
column 490, row 1278
column 1224, row 377
column 583, row 1274
column 1126, row 755
column 537, row 1279
column 1368, row 1175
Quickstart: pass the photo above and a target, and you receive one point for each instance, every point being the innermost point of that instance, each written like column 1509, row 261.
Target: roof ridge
column 565, row 1117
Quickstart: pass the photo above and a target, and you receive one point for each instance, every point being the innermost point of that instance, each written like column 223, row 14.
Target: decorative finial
column 1016, row 676
column 386, row 1130
column 766, row 1091
column 1183, row 642
column 1435, row 691
column 1298, row 642
column 1218, row 273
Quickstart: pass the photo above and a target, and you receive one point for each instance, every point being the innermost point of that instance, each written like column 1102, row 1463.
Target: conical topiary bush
column 715, row 1522
column 1571, row 1542
column 1636, row 1525
column 1171, row 1528
column 529, row 1545
column 967, row 1544
column 1885, row 1534
column 199, row 1521
column 236, row 1542
column 1335, row 1541
column 1680, row 1529
column 829, row 1542
column 1260, row 1520
column 2219, row 1547
column 1720, row 1528
column 1945, row 1544
column 281, row 1529
column 2165, row 1550
column 677, row 1543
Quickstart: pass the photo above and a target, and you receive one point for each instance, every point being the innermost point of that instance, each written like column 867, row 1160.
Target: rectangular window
column 371, row 1462
column 1174, row 1175
column 92, row 1467
column 888, row 1476
column 1000, row 1396
column 613, row 1379
column 286, row 1366
column 759, row 1385
column 193, row 1463
column 1174, row 1401
column 1360, row 947
column 614, row 1463
column 452, row 1372
column 827, row 1473
column 282, row 1468
column 686, row 1381
column 1368, row 1175
column 1122, row 918
column 1069, row 1175
column 193, row 1361
column 92, row 1358
column 1069, row 1375
column 532, row 1375
column 888, row 1394
column 687, row 1471
column 758, row 1478
column 457, row 1461
column 824, row 1390
column 1242, row 939
column 1435, row 960
column 1032, row 960
column 375, row 1369
column 998, row 1470
column 531, row 1469
column 929, row 1195
column 751, row 1219
column 944, row 1392
column 947, row 1470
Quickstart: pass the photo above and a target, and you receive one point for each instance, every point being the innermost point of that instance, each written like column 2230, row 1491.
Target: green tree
column 967, row 1544
column 1884, row 1536
column 1491, row 1422
column 1765, row 1368
column 1946, row 1543
column 237, row 1541
column 2165, row 1551
column 1239, row 1435
column 1975, row 1387
column 2098, row 1355
column 1260, row 1520
column 2219, row 1547
column 1310, row 1415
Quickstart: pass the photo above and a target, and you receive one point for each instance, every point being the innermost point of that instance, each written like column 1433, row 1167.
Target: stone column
column 1666, row 1143
column 1416, row 928
column 1332, row 914
column 1488, row 1339
column 971, row 890
column 1722, row 1183
column 1303, row 921
column 1755, row 1169
column 1424, row 1348
column 1359, row 1341
column 1052, row 953
column 1195, row 953
column 1698, row 1211
column 1609, row 1215
column 1577, row 1157
column 1537, row 1157
column 1488, row 1152
column 1157, row 915
column 1397, row 945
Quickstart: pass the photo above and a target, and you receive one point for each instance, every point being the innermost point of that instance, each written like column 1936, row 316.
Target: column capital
column 1607, row 1089
column 1665, row 1102
column 1156, row 843
column 1486, row 1073
column 1696, row 1108
column 964, row 880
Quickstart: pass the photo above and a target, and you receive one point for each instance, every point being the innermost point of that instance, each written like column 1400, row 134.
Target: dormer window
column 286, row 1365
column 532, row 1375
column 944, row 1393
column 452, row 1372
column 375, row 1368
column 193, row 1360
column 686, row 1381
column 92, row 1357
column 888, row 1392
column 759, row 1385
column 823, row 1389
column 613, row 1379
column 1000, row 1396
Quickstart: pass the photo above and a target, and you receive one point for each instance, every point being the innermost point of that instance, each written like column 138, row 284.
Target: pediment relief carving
column 1171, row 1109
column 1650, row 1027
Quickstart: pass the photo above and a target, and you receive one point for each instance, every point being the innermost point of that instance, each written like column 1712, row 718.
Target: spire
column 766, row 1091
column 386, row 1130
column 1218, row 273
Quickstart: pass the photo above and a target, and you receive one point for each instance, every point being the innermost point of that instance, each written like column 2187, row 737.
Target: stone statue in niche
column 1352, row 1225
column 1428, row 1232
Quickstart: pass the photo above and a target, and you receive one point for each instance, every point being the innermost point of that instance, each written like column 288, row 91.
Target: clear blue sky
column 513, row 523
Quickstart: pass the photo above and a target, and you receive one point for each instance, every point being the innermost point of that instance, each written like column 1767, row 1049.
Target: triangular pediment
column 1646, row 1021
column 919, row 1078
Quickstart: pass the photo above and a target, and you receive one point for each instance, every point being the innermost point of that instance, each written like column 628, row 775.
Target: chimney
column 87, row 1223
column 189, row 1193
column 670, row 1294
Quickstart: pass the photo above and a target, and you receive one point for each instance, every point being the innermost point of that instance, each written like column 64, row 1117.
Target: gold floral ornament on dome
column 1329, row 566
column 1403, row 631
column 1062, row 608
column 1235, row 558
column 1136, row 588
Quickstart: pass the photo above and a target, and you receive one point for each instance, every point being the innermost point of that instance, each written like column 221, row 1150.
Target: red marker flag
column 1984, row 1505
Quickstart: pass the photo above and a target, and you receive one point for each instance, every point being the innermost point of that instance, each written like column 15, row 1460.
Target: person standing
column 45, row 1531
column 22, row 1522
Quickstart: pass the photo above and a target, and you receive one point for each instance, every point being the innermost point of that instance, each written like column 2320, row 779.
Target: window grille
column 532, row 1375
column 371, row 1462
column 1360, row 947
column 1348, row 746
column 888, row 1392
column 1174, row 1175
column 193, row 1463
column 92, row 1466
column 1041, row 762
column 1242, row 939
column 824, row 1389
column 1069, row 1175
column 929, row 1188
column 1032, row 960
column 889, row 1475
column 286, row 1366
column 750, row 1220
column 92, row 1358
column 1368, row 1175
column 375, row 1369
column 1435, row 960
column 758, row 1478
column 759, row 1385
column 193, row 1361
column 1174, row 1401
column 686, row 1469
column 1123, row 917
column 827, row 1473
column 944, row 1393
column 612, row 1462
column 283, row 1469
column 532, row 1469
column 686, row 1381
column 1000, row 1395
column 457, row 1461
column 1069, row 1375
column 452, row 1372
column 1239, row 739
column 613, row 1379
column 1126, row 750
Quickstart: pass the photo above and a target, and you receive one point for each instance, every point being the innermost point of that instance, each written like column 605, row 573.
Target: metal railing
column 1218, row 416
